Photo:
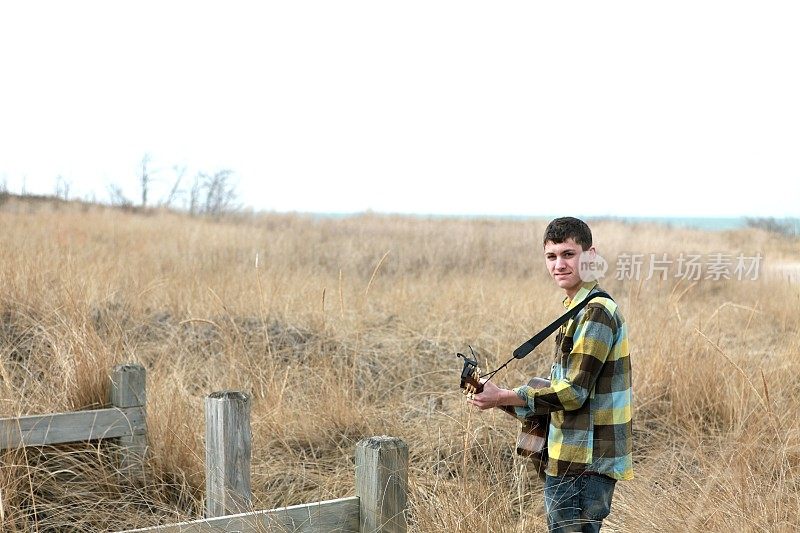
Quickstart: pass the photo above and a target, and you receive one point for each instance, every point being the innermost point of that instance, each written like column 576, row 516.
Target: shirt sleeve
column 592, row 342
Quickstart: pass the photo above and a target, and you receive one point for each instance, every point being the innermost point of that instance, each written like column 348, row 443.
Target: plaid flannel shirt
column 589, row 398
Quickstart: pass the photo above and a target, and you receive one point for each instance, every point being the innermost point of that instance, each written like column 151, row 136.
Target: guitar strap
column 528, row 346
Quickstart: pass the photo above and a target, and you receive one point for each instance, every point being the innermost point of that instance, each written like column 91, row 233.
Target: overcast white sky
column 682, row 108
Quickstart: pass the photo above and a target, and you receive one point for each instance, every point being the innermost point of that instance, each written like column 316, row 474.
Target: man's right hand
column 494, row 396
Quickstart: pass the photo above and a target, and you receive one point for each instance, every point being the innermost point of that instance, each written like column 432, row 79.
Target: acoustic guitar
column 532, row 438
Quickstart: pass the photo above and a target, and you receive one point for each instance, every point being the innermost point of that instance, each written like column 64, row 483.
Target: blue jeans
column 577, row 503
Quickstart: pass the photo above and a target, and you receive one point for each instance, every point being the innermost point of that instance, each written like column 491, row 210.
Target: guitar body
column 532, row 438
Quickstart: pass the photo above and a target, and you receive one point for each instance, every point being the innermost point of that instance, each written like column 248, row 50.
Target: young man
column 589, row 397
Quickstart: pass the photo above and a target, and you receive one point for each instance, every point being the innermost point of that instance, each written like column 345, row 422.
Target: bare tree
column 194, row 195
column 62, row 188
column 220, row 193
column 145, row 179
column 180, row 172
column 3, row 190
column 213, row 194
column 117, row 197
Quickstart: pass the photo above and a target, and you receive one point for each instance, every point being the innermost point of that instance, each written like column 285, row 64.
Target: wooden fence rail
column 125, row 421
column 381, row 464
column 340, row 516
column 379, row 503
column 60, row 428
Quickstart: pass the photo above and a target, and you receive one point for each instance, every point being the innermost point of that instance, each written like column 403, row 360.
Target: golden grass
column 347, row 328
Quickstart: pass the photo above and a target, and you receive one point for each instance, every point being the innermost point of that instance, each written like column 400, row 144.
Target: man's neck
column 571, row 293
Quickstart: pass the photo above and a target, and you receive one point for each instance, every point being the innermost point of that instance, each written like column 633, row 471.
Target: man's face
column 562, row 262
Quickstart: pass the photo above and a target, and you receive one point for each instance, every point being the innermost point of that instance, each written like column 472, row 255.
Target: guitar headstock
column 470, row 374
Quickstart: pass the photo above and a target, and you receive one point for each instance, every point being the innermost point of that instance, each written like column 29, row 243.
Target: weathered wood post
column 128, row 389
column 382, row 484
column 228, row 452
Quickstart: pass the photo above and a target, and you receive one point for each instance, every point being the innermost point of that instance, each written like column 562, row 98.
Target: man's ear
column 592, row 252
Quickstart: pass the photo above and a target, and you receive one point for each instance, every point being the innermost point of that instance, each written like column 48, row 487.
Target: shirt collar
column 583, row 292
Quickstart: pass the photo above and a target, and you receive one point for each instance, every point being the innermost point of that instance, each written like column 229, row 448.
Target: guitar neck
column 470, row 380
column 536, row 383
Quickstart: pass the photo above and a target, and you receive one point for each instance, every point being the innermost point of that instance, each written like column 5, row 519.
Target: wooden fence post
column 382, row 484
column 228, row 451
column 128, row 389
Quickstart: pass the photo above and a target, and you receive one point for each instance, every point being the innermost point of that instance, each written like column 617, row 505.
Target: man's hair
column 561, row 229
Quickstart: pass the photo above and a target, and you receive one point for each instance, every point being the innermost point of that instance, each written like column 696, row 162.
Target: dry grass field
column 346, row 328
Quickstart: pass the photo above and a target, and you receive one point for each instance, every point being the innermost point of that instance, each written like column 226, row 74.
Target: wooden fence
column 381, row 464
column 125, row 421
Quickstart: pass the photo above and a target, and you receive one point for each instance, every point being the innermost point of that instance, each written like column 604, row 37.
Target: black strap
column 537, row 339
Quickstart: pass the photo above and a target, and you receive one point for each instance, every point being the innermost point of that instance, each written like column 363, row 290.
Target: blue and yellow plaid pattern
column 590, row 395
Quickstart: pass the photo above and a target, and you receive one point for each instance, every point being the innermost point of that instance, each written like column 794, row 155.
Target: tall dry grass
column 337, row 340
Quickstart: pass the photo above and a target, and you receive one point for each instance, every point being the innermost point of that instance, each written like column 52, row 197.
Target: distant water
column 791, row 225
column 704, row 223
